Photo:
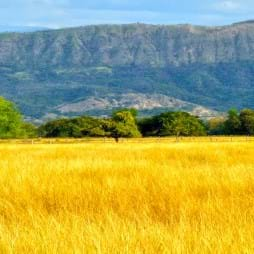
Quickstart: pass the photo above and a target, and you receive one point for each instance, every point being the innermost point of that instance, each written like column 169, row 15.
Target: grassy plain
column 131, row 197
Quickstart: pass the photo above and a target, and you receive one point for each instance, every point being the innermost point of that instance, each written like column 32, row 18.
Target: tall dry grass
column 127, row 198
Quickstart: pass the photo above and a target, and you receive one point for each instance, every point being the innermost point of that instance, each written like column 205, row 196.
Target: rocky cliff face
column 136, row 44
column 208, row 66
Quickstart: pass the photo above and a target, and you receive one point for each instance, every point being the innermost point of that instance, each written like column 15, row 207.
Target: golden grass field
column 131, row 197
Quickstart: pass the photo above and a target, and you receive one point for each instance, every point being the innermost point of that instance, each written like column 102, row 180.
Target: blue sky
column 66, row 13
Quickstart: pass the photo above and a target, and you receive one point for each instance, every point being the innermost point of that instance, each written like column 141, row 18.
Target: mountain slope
column 136, row 44
column 208, row 66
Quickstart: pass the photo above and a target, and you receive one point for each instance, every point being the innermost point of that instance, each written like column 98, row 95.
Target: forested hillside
column 48, row 73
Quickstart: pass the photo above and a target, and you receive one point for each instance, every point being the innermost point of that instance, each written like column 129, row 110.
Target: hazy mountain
column 208, row 66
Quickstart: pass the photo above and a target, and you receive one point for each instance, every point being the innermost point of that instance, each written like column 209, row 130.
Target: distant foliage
column 236, row 123
column 232, row 124
column 246, row 118
column 11, row 122
column 122, row 124
column 76, row 127
column 29, row 130
column 125, row 124
column 215, row 126
column 172, row 124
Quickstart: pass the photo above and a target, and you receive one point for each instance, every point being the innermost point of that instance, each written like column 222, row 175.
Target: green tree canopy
column 180, row 124
column 59, row 128
column 247, row 121
column 85, row 126
column 29, row 130
column 123, row 124
column 172, row 124
column 216, row 126
column 10, row 120
column 233, row 123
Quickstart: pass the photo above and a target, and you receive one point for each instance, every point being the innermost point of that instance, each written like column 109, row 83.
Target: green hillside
column 207, row 66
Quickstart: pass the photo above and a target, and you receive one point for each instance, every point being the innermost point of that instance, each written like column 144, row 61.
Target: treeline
column 236, row 123
column 125, row 123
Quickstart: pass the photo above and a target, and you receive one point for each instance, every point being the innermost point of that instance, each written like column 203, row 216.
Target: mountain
column 93, row 69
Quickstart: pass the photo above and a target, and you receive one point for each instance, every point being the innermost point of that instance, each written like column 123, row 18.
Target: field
column 156, row 196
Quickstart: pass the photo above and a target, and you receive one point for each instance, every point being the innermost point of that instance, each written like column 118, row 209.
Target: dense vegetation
column 11, row 122
column 236, row 123
column 212, row 67
column 125, row 123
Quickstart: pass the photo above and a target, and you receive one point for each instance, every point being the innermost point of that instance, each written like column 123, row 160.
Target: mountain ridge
column 208, row 66
column 107, row 44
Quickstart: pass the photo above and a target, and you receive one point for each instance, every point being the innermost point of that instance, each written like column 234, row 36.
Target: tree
column 78, row 127
column 233, row 123
column 181, row 124
column 29, row 130
column 59, row 128
column 247, row 121
column 123, row 124
column 149, row 126
column 172, row 124
column 10, row 120
column 185, row 124
column 90, row 126
column 215, row 126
